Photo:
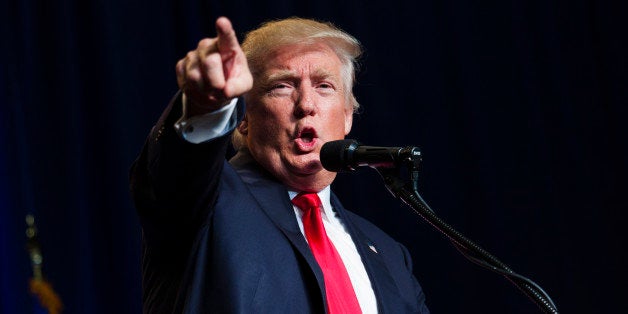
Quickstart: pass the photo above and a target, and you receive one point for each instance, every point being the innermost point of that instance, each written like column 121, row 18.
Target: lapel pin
column 373, row 248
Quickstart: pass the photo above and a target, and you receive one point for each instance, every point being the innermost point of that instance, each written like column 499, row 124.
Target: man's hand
column 215, row 72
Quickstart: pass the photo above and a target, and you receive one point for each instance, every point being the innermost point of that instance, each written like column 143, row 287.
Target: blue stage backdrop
column 519, row 108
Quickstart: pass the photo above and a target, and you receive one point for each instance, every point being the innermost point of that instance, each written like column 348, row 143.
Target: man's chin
column 312, row 181
column 306, row 167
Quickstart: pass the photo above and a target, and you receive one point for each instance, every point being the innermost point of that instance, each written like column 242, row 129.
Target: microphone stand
column 408, row 193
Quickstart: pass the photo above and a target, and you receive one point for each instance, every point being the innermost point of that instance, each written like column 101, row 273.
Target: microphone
column 347, row 155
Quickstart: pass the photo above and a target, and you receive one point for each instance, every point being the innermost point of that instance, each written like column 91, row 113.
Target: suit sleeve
column 174, row 185
column 173, row 182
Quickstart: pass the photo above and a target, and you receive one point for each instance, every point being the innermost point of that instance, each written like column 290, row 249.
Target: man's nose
column 306, row 102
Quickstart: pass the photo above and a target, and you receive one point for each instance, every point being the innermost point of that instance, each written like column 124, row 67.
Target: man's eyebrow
column 282, row 75
column 323, row 74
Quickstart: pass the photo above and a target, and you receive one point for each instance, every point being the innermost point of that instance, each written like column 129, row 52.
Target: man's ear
column 348, row 120
column 243, row 127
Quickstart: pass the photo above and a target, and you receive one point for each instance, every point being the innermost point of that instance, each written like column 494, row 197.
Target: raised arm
column 173, row 181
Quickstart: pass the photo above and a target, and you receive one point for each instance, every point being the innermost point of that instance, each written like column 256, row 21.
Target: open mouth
column 307, row 136
column 306, row 139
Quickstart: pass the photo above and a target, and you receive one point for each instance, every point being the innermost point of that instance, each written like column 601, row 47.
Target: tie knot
column 307, row 201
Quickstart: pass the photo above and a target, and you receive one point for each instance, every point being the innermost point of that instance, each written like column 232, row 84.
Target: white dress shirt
column 337, row 233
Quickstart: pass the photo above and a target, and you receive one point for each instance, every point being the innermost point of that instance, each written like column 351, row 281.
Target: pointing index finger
column 227, row 40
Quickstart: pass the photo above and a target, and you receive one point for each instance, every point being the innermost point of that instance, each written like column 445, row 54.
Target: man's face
column 298, row 103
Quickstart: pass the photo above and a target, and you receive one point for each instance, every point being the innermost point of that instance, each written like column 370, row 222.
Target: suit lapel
column 272, row 197
column 386, row 291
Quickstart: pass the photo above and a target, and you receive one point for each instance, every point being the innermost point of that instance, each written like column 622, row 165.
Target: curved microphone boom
column 347, row 155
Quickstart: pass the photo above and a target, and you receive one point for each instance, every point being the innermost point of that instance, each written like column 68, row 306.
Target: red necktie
column 338, row 288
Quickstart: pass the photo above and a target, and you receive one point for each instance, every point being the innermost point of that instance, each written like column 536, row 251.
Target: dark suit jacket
column 222, row 237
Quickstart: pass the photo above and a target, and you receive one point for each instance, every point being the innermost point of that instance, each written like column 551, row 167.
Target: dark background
column 518, row 106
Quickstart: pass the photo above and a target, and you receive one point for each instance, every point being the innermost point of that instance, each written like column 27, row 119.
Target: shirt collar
column 325, row 196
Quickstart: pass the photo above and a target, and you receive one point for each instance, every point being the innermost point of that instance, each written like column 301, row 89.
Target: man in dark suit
column 261, row 233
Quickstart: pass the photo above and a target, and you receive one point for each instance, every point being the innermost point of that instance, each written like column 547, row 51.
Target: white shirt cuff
column 206, row 127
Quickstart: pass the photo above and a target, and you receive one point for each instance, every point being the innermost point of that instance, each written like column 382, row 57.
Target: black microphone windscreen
column 335, row 155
